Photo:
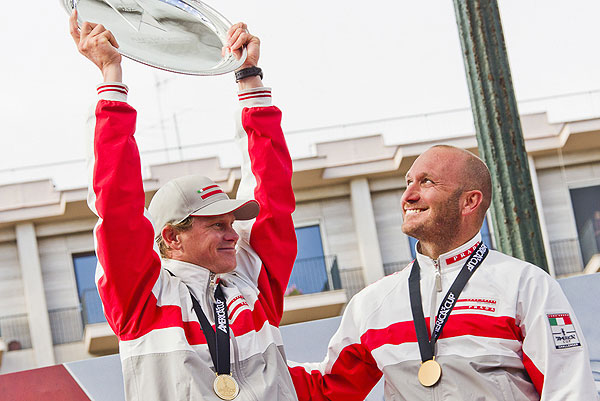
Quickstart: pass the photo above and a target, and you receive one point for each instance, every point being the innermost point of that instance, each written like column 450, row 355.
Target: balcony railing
column 14, row 330
column 566, row 256
column 66, row 325
column 352, row 280
column 312, row 275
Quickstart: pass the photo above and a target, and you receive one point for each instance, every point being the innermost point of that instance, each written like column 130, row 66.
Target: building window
column 486, row 237
column 586, row 206
column 310, row 273
column 85, row 270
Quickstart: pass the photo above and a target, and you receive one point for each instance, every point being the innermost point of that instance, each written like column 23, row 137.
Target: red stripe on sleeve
column 536, row 376
column 253, row 97
column 264, row 93
column 353, row 375
column 112, row 90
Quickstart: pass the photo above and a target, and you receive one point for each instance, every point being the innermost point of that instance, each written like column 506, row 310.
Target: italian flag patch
column 563, row 331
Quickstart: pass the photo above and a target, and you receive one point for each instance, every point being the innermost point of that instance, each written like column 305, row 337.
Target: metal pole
column 498, row 129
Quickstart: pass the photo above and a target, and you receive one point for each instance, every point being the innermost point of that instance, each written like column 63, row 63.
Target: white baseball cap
column 195, row 195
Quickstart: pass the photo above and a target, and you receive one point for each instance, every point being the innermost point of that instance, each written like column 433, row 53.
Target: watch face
column 183, row 36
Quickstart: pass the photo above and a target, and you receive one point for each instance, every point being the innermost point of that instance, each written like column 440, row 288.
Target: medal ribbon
column 218, row 343
column 426, row 346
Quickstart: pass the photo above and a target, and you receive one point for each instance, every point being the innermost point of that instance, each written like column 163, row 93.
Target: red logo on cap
column 211, row 193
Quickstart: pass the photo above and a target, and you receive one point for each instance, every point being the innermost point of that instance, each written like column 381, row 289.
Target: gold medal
column 226, row 387
column 429, row 373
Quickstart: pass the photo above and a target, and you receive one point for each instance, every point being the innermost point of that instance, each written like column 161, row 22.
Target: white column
column 540, row 209
column 31, row 270
column 366, row 231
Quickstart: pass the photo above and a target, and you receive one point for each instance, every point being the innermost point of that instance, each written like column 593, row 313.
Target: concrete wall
column 12, row 295
column 388, row 216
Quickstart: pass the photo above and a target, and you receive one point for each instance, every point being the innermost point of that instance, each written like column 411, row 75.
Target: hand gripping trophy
column 182, row 36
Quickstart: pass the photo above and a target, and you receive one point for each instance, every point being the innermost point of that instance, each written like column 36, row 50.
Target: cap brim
column 242, row 209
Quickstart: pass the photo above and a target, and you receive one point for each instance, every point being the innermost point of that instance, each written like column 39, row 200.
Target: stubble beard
column 442, row 227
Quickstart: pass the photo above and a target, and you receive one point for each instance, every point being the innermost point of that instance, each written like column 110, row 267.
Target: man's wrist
column 112, row 73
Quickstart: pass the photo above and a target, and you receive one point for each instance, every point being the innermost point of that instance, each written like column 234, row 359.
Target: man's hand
column 238, row 37
column 99, row 45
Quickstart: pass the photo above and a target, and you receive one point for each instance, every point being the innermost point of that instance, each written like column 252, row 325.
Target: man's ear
column 471, row 200
column 171, row 237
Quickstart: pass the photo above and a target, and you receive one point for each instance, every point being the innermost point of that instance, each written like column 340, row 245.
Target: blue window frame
column 85, row 270
column 309, row 274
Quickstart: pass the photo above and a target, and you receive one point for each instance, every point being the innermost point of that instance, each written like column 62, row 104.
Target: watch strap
column 248, row 72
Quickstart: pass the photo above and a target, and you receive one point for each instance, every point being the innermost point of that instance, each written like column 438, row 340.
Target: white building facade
column 347, row 218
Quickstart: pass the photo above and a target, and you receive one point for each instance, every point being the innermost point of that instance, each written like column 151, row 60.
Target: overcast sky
column 328, row 62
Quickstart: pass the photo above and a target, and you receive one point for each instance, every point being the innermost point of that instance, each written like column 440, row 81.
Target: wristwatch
column 248, row 72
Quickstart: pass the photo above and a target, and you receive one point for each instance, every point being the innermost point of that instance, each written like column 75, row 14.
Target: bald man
column 506, row 330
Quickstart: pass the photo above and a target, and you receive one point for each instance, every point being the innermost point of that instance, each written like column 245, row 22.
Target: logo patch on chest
column 236, row 306
column 563, row 331
column 476, row 304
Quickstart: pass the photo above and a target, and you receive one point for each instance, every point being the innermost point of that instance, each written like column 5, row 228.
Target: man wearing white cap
column 200, row 321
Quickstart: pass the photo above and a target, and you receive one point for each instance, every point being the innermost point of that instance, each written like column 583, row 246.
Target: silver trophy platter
column 183, row 36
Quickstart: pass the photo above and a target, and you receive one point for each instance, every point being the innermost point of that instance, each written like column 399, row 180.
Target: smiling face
column 431, row 204
column 209, row 242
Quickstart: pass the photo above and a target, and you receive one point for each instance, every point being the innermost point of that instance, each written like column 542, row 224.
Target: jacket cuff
column 255, row 97
column 113, row 91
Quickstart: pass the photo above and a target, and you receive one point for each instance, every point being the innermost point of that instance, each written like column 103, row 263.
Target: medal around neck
column 182, row 36
column 429, row 373
column 226, row 387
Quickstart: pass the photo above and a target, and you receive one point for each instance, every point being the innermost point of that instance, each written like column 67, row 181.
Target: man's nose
column 411, row 194
column 231, row 234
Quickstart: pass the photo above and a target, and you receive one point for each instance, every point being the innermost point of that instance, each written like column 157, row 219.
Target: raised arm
column 128, row 267
column 266, row 177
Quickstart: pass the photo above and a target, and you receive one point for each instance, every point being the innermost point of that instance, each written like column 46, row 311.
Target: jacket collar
column 194, row 276
column 451, row 260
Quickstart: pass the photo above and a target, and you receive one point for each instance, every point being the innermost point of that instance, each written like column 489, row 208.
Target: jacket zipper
column 240, row 373
column 210, row 291
column 438, row 276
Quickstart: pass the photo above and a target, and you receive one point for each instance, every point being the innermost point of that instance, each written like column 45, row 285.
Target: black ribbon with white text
column 218, row 343
column 426, row 346
column 218, row 339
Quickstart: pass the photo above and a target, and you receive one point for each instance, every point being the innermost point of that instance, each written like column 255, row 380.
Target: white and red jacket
column 163, row 351
column 511, row 336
